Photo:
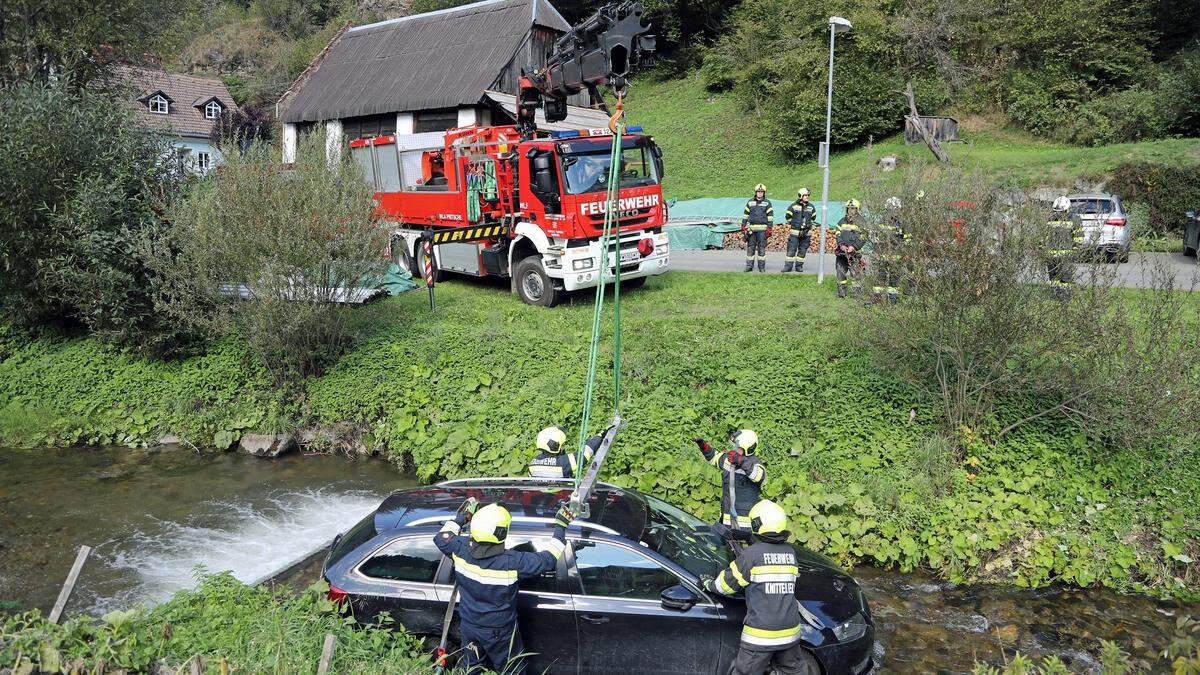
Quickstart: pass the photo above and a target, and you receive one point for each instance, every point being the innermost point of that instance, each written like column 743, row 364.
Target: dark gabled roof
column 182, row 119
column 441, row 59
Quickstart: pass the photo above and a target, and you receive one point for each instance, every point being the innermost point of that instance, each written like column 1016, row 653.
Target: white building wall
column 333, row 141
column 405, row 123
column 467, row 116
column 289, row 143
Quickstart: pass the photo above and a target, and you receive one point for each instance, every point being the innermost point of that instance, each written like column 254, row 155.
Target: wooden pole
column 196, row 665
column 69, row 585
column 326, row 654
column 926, row 134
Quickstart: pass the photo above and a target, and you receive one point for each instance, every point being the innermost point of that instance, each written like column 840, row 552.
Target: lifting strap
column 609, row 245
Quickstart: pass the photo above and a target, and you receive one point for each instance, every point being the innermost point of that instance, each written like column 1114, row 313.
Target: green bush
column 1131, row 115
column 228, row 625
column 1168, row 190
column 80, row 189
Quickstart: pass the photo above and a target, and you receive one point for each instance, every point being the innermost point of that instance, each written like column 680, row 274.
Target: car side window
column 546, row 582
column 408, row 559
column 619, row 572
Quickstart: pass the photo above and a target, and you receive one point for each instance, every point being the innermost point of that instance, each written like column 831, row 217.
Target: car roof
column 531, row 500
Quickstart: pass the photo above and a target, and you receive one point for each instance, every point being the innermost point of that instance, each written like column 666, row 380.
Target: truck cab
column 530, row 210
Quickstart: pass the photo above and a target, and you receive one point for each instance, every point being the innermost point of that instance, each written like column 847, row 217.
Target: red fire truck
column 510, row 201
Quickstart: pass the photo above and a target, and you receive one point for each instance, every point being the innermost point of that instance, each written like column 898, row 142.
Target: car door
column 623, row 627
column 398, row 578
column 547, row 617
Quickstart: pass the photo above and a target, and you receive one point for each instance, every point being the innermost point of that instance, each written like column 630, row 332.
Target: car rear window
column 357, row 536
column 408, row 559
column 1091, row 206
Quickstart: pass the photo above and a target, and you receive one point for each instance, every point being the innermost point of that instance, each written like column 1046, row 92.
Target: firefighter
column 551, row 461
column 756, row 226
column 850, row 239
column 800, row 219
column 1062, row 235
column 742, row 474
column 887, row 241
column 487, row 574
column 766, row 573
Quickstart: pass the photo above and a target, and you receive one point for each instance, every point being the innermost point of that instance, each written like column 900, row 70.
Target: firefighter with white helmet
column 757, row 218
column 487, row 574
column 1063, row 234
column 888, row 241
column 552, row 460
column 800, row 218
column 850, row 238
column 765, row 572
column 742, row 474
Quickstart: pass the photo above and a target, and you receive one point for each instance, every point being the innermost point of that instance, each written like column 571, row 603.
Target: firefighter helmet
column 551, row 439
column 745, row 439
column 490, row 524
column 802, row 192
column 852, row 204
column 767, row 517
column 760, row 188
column 892, row 203
column 1062, row 204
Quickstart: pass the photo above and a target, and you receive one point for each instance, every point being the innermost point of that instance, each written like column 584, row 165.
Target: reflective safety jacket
column 766, row 571
column 1062, row 236
column 747, row 485
column 758, row 214
column 849, row 232
column 800, row 217
column 487, row 574
column 888, row 238
column 557, row 464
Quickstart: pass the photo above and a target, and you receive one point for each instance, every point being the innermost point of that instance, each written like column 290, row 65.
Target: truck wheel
column 419, row 266
column 633, row 283
column 533, row 285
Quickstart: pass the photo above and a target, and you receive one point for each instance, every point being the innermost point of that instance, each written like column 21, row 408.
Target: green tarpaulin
column 397, row 280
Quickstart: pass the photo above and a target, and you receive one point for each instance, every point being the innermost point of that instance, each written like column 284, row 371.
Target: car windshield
column 684, row 538
column 587, row 170
column 1087, row 207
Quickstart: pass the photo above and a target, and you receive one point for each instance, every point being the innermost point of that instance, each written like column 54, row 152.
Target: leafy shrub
column 297, row 240
column 223, row 622
column 1168, row 190
column 1178, row 91
column 80, row 187
column 1130, row 115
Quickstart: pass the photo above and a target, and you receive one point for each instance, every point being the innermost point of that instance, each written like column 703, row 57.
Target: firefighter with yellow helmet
column 757, row 218
column 742, row 475
column 800, row 218
column 851, row 237
column 487, row 574
column 552, row 461
column 765, row 572
column 1063, row 235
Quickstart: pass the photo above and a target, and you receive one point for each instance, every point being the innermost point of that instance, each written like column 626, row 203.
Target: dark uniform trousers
column 849, row 265
column 799, row 218
column 757, row 217
column 1063, row 237
column 501, row 647
column 788, row 661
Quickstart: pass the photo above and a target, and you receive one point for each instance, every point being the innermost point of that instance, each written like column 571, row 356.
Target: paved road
column 1136, row 273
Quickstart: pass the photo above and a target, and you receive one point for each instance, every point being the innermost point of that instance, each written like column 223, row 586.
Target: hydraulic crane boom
column 603, row 49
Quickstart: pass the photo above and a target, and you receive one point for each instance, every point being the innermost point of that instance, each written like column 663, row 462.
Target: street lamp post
column 836, row 25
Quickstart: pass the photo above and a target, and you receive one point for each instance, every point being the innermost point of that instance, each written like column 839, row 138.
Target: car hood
column 825, row 590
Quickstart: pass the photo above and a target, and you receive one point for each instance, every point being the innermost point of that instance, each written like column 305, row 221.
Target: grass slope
column 850, row 450
column 714, row 149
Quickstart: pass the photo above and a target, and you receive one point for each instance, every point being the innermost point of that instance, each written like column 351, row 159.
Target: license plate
column 630, row 255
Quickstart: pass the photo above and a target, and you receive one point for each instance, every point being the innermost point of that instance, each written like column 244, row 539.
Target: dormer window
column 212, row 110
column 158, row 104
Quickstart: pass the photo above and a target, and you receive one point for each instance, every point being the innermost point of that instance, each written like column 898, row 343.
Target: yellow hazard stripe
column 774, row 569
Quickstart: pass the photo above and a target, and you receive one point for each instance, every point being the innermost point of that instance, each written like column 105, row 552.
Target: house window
column 212, row 110
column 435, row 120
column 203, row 161
column 158, row 105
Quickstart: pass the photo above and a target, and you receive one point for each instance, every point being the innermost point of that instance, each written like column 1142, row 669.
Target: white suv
column 1105, row 223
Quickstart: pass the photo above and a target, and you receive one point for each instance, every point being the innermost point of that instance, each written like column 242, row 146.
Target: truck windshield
column 682, row 537
column 587, row 170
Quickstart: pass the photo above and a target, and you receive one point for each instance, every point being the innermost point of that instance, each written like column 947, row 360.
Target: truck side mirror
column 679, row 598
column 543, row 181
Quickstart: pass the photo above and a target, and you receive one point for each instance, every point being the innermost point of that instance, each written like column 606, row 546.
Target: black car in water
column 627, row 595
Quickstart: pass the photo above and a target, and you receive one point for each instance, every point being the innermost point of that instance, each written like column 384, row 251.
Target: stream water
column 154, row 518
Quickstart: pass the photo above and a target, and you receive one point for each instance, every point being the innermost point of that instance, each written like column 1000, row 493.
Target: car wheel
column 1124, row 256
column 533, row 285
column 633, row 283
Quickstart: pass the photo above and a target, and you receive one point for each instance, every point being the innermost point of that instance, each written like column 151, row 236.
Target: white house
column 184, row 108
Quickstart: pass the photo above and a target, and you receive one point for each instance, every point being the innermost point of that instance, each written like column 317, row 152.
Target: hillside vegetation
column 853, row 452
column 714, row 149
